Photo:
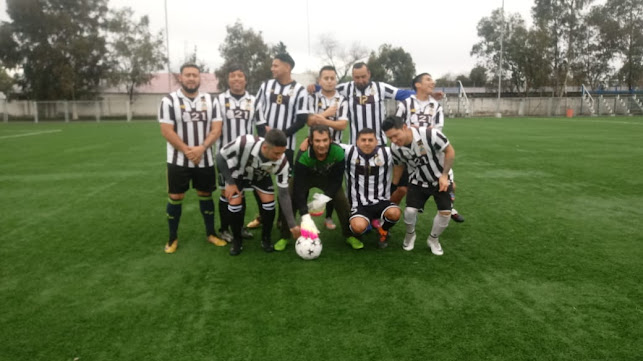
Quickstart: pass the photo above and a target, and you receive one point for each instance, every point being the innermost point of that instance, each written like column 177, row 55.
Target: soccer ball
column 308, row 248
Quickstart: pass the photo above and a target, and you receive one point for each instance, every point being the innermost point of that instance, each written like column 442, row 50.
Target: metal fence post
column 35, row 111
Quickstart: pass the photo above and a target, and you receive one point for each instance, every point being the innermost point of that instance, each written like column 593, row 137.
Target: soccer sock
column 224, row 214
column 235, row 216
column 267, row 213
column 207, row 210
column 173, row 212
column 410, row 218
column 440, row 223
column 329, row 209
column 258, row 204
column 388, row 224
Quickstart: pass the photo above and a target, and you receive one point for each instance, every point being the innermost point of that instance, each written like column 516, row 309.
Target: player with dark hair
column 250, row 161
column 322, row 166
column 329, row 108
column 428, row 156
column 191, row 123
column 238, row 114
column 368, row 184
column 423, row 110
column 282, row 104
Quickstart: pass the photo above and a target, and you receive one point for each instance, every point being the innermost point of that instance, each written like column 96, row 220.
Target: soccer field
column 547, row 266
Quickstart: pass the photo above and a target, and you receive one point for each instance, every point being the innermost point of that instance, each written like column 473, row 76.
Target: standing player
column 250, row 161
column 428, row 156
column 423, row 110
column 238, row 111
column 329, row 108
column 191, row 123
column 368, row 184
column 282, row 104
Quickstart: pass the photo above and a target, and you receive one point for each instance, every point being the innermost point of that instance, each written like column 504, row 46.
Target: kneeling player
column 368, row 184
column 428, row 156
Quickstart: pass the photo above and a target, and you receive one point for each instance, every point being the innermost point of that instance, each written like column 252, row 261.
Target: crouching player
column 428, row 156
column 249, row 161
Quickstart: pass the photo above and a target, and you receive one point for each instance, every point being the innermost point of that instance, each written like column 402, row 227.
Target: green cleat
column 281, row 244
column 354, row 242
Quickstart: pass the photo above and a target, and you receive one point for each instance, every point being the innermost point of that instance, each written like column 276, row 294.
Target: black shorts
column 375, row 211
column 221, row 182
column 417, row 196
column 404, row 181
column 178, row 179
column 263, row 185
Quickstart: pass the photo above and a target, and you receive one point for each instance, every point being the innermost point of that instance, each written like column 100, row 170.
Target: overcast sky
column 438, row 34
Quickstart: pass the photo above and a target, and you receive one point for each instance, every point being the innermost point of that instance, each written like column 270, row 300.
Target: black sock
column 173, row 212
column 388, row 224
column 267, row 212
column 235, row 217
column 329, row 209
column 224, row 214
column 207, row 210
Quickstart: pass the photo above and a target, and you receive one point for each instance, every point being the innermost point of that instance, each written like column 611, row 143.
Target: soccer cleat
column 329, row 223
column 216, row 241
column 456, row 216
column 267, row 246
column 170, row 247
column 246, row 234
column 226, row 236
column 435, row 246
column 280, row 245
column 354, row 242
column 383, row 238
column 409, row 241
column 236, row 248
column 255, row 223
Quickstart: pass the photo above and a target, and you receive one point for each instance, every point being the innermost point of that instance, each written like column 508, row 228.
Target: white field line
column 30, row 134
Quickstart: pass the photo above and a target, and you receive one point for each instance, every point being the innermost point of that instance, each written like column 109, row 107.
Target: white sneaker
column 435, row 246
column 409, row 241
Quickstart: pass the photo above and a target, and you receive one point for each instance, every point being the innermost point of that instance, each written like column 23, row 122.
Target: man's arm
column 167, row 130
column 286, row 207
column 300, row 187
column 299, row 123
column 403, row 94
column 449, row 157
column 397, row 174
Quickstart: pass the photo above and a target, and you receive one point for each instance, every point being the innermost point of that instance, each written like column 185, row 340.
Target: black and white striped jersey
column 421, row 113
column 424, row 157
column 245, row 161
column 238, row 116
column 192, row 120
column 367, row 109
column 278, row 105
column 318, row 103
column 368, row 176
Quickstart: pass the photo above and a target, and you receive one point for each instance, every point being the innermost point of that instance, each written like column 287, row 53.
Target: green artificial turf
column 547, row 265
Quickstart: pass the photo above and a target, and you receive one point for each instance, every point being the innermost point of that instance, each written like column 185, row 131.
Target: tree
column 6, row 83
column 280, row 48
column 561, row 21
column 342, row 59
column 193, row 58
column 619, row 25
column 392, row 65
column 58, row 44
column 136, row 52
column 247, row 49
column 478, row 76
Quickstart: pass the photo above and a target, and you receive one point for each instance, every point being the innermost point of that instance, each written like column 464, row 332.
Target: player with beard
column 190, row 123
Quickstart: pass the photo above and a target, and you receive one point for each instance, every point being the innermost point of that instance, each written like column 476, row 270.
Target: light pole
column 502, row 33
column 167, row 49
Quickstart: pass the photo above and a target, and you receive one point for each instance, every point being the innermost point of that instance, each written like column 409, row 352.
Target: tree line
column 70, row 50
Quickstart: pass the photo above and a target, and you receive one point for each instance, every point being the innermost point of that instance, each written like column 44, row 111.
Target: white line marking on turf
column 29, row 134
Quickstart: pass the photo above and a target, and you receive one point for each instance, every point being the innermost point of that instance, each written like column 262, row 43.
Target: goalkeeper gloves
column 308, row 227
column 317, row 205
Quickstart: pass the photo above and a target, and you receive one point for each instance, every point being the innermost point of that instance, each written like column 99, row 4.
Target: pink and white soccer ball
column 308, row 248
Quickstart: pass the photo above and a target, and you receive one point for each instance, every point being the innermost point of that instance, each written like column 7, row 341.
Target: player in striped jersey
column 428, row 156
column 329, row 108
column 366, row 101
column 423, row 110
column 191, row 123
column 238, row 113
column 369, row 167
column 250, row 161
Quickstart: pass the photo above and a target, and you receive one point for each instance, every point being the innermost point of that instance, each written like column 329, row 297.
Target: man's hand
column 296, row 232
column 304, row 145
column 438, row 95
column 231, row 191
column 311, row 88
column 195, row 153
column 331, row 111
column 444, row 182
